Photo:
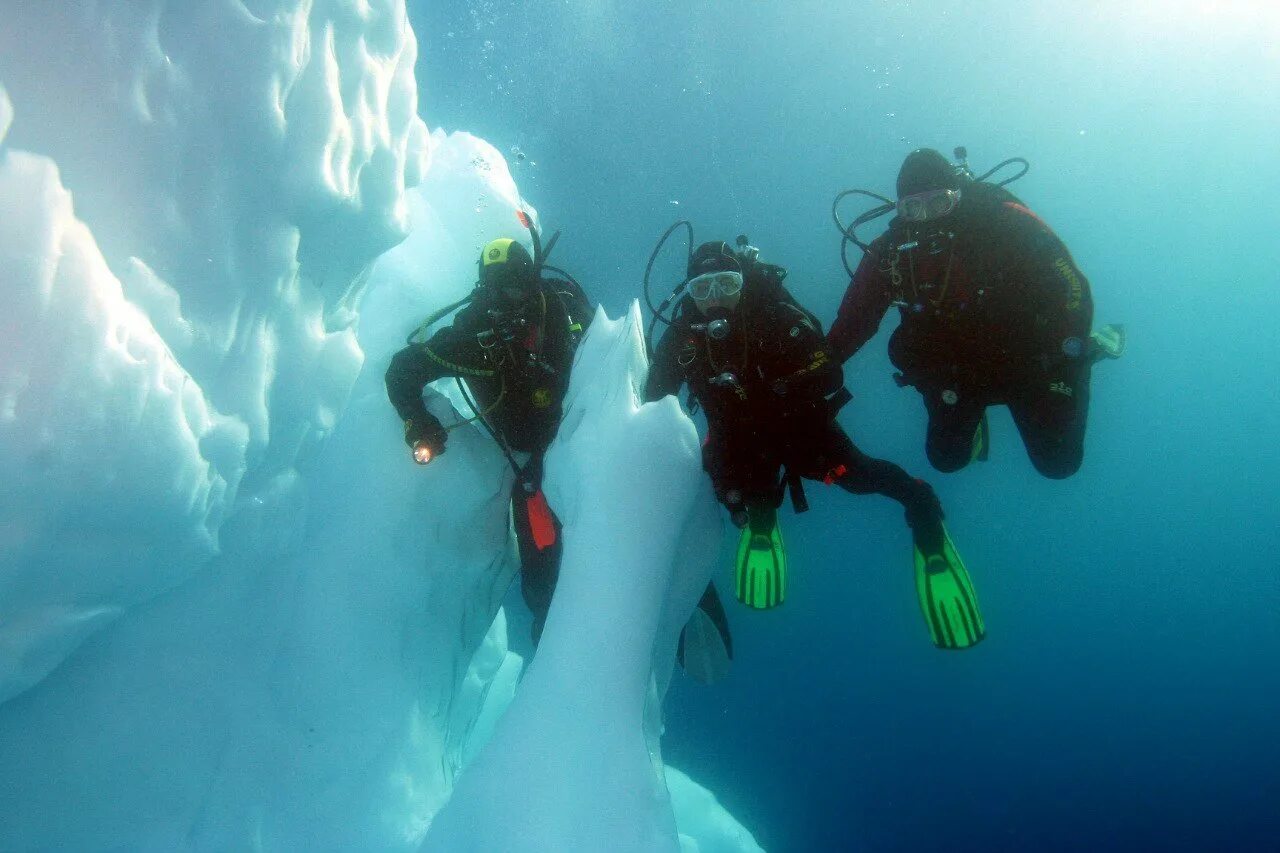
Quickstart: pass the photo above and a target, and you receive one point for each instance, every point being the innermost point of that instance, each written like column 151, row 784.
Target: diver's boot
column 980, row 450
column 1107, row 342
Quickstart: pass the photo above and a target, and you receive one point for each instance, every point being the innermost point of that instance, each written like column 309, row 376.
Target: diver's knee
column 1058, row 466
column 948, row 460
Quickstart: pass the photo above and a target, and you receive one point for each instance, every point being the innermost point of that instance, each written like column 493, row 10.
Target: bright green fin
column 1108, row 342
column 947, row 598
column 762, row 561
column 981, row 449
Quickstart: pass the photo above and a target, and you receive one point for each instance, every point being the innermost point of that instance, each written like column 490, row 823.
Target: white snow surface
column 232, row 614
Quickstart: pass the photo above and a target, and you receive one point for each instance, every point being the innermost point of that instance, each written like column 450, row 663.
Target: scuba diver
column 994, row 311
column 513, row 342
column 757, row 364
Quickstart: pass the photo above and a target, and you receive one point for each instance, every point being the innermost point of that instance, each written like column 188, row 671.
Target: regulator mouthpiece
column 726, row 380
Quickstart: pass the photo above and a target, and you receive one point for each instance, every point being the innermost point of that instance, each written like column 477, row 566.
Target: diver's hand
column 425, row 437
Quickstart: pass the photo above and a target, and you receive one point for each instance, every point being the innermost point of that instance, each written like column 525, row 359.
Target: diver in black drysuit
column 993, row 311
column 514, row 345
column 770, row 389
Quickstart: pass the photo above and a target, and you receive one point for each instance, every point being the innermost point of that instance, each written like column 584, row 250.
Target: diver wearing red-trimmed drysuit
column 994, row 311
column 769, row 389
column 758, row 364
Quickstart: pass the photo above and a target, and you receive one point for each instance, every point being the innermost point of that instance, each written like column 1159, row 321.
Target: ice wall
column 118, row 472
column 232, row 615
column 239, row 164
column 310, row 681
column 234, row 167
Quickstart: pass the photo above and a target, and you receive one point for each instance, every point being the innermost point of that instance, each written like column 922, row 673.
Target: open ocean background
column 1128, row 694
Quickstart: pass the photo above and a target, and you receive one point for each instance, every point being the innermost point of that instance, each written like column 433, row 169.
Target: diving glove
column 425, row 437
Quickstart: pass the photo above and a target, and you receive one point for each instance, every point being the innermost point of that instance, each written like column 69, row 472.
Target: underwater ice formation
column 233, row 173
column 231, row 614
column 575, row 732
column 118, row 472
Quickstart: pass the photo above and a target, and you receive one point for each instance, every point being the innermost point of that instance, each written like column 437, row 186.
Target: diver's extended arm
column 411, row 370
column 863, row 307
column 813, row 372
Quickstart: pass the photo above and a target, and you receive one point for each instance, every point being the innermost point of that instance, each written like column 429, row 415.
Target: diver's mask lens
column 712, row 283
column 508, row 285
column 932, row 204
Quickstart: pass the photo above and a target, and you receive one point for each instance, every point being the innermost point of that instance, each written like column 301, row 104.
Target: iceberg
column 232, row 614
column 575, row 730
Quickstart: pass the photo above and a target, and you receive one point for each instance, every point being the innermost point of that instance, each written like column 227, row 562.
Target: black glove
column 426, row 431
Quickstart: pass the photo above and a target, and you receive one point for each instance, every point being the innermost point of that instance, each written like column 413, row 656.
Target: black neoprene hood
column 926, row 169
column 713, row 257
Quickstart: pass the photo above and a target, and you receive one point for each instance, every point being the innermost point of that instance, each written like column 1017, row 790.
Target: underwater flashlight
column 422, row 453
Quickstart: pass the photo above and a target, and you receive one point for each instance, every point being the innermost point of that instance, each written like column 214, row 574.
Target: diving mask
column 931, row 204
column 706, row 286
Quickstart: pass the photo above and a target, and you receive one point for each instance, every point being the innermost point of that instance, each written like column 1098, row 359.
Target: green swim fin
column 705, row 650
column 1108, row 342
column 981, row 448
column 761, row 571
column 947, row 598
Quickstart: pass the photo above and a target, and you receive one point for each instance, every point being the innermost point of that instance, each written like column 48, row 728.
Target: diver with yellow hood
column 512, row 343
column 510, row 347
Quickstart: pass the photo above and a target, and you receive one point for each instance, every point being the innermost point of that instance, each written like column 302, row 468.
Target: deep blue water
column 1128, row 695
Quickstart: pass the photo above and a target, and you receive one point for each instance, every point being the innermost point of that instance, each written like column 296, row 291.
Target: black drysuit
column 993, row 311
column 766, row 391
column 516, row 361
